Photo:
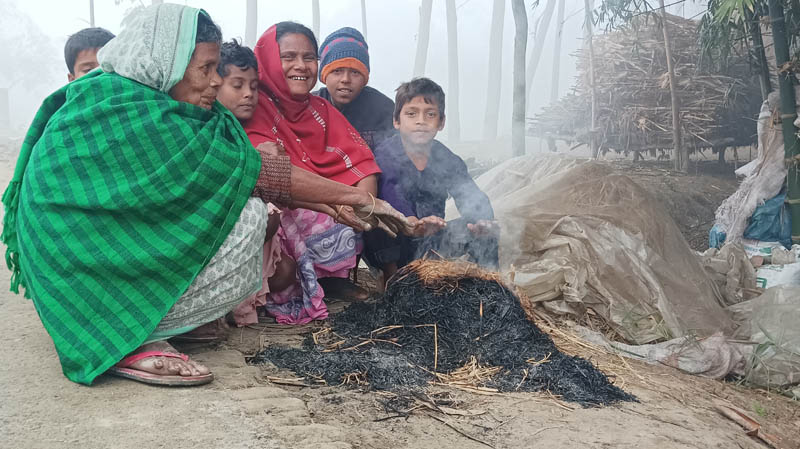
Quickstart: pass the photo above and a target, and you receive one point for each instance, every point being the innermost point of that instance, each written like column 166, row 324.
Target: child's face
column 345, row 84
column 419, row 121
column 239, row 91
column 85, row 62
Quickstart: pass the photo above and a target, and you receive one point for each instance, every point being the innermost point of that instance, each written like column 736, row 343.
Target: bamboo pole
column 554, row 81
column 453, row 118
column 538, row 44
column 495, row 71
column 520, row 42
column 788, row 114
column 754, row 26
column 251, row 24
column 681, row 155
column 589, row 22
column 315, row 17
column 423, row 36
column 364, row 18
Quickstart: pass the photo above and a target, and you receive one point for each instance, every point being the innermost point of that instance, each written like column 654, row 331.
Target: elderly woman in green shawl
column 137, row 211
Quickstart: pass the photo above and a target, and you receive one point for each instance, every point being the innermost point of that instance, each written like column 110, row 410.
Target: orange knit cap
column 345, row 63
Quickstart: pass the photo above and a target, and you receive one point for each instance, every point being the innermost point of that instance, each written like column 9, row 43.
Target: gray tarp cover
column 581, row 237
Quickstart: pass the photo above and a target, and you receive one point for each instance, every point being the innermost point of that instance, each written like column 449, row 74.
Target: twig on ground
column 465, row 434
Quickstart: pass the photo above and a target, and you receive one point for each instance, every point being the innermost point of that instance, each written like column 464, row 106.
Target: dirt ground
column 251, row 406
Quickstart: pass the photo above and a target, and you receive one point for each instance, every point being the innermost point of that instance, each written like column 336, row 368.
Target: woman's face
column 201, row 81
column 299, row 62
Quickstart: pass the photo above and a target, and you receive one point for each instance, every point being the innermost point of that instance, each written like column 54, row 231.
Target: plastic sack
column 764, row 176
column 775, row 331
column 768, row 276
column 759, row 248
column 765, row 349
column 714, row 357
column 771, row 222
column 731, row 270
column 716, row 237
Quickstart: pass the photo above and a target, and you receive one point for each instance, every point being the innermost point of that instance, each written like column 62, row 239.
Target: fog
column 33, row 33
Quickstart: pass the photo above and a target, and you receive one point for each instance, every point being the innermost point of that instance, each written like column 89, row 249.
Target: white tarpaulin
column 763, row 176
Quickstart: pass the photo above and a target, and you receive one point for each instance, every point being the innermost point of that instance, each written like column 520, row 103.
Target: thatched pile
column 633, row 97
column 445, row 323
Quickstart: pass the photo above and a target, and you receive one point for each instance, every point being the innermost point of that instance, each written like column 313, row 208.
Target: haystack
column 718, row 109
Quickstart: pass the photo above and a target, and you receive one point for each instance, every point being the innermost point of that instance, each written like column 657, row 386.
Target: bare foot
column 343, row 289
column 166, row 366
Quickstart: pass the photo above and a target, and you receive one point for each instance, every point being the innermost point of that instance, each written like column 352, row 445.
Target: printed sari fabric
column 321, row 248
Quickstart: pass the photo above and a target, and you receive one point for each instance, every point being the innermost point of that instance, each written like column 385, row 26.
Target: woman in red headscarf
column 316, row 251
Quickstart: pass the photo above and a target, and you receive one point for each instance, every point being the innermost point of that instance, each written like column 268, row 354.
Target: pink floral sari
column 321, row 248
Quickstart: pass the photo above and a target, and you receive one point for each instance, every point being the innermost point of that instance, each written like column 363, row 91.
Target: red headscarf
column 316, row 136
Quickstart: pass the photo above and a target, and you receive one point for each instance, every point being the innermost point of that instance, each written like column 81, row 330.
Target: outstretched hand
column 380, row 214
column 426, row 226
column 484, row 228
column 347, row 216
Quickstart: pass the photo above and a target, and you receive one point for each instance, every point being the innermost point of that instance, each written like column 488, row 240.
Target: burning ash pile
column 449, row 323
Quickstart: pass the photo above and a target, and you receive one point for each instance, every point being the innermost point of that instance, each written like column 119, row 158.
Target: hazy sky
column 392, row 33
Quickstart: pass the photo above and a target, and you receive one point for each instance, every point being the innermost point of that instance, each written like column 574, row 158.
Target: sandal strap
column 130, row 360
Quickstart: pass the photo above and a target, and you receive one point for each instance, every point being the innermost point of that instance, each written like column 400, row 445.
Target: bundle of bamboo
column 633, row 99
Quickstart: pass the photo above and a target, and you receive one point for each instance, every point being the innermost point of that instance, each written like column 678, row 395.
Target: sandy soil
column 243, row 408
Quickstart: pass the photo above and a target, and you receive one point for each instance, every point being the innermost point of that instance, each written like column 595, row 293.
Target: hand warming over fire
column 427, row 226
column 484, row 228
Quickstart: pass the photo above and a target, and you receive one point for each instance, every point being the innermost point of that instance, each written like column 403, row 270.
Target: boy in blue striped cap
column 344, row 69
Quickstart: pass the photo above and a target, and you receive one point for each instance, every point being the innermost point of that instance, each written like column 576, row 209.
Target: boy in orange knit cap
column 344, row 69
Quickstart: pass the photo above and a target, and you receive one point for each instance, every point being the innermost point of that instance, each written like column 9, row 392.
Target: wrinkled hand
column 384, row 216
column 271, row 149
column 347, row 216
column 484, row 228
column 426, row 226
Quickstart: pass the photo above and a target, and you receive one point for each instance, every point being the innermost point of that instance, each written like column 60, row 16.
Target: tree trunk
column 364, row 19
column 91, row 13
column 5, row 109
column 423, row 35
column 453, row 119
column 557, row 53
column 495, row 71
column 538, row 46
column 588, row 24
column 681, row 155
column 520, row 42
column 315, row 17
column 251, row 24
column 791, row 146
column 754, row 26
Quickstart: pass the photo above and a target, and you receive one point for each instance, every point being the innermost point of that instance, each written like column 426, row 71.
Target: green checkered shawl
column 120, row 197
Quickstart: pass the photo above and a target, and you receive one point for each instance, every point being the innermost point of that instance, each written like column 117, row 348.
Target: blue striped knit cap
column 343, row 43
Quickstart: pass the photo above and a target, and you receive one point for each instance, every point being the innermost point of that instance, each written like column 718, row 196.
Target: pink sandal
column 123, row 369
